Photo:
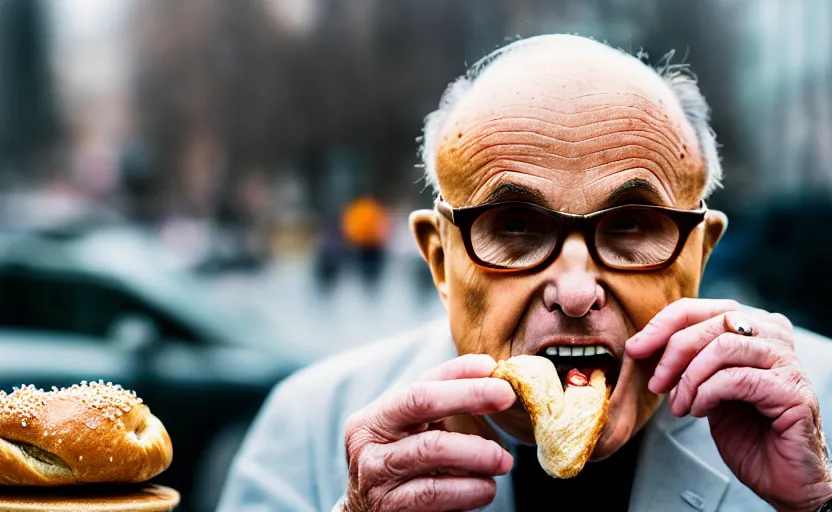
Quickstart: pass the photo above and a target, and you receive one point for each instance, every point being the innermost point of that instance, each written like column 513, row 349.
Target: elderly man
column 571, row 182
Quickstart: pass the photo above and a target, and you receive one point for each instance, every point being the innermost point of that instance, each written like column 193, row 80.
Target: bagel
column 87, row 433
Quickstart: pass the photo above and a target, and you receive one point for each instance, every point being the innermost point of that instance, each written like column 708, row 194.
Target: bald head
column 574, row 91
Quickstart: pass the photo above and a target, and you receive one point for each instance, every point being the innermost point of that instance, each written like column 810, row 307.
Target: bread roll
column 92, row 433
column 567, row 423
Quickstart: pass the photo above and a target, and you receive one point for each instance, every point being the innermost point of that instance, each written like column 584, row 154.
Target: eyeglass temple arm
column 444, row 208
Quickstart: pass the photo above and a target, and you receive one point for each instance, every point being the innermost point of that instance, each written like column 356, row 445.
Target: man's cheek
column 643, row 295
column 468, row 308
column 481, row 320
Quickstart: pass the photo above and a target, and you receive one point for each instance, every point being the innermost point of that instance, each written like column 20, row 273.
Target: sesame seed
column 110, row 400
column 59, row 441
column 80, row 457
column 111, row 459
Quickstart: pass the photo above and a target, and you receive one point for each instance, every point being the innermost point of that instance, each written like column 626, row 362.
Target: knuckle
column 782, row 320
column 366, row 468
column 685, row 301
column 418, row 399
column 732, row 305
column 729, row 345
column 685, row 342
column 794, row 378
column 428, row 494
column 723, row 343
column 808, row 396
column 746, row 382
column 680, row 305
column 687, row 384
column 355, row 435
column 780, row 355
column 353, row 423
column 430, row 445
column 794, row 375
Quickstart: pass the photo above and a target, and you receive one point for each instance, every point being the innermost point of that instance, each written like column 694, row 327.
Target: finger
column 468, row 366
column 727, row 350
column 677, row 316
column 783, row 321
column 425, row 402
column 683, row 346
column 771, row 392
column 441, row 493
column 437, row 451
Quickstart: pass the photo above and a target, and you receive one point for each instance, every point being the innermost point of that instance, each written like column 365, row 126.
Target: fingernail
column 671, row 397
column 632, row 345
column 652, row 384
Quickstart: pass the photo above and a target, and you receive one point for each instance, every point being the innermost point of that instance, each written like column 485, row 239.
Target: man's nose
column 572, row 285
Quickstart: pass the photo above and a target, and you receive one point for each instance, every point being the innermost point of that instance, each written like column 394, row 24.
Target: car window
column 47, row 301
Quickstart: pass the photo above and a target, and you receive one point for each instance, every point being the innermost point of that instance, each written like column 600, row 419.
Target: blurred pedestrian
column 329, row 258
column 365, row 224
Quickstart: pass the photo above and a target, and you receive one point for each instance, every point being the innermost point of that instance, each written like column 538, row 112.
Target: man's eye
column 625, row 223
column 515, row 225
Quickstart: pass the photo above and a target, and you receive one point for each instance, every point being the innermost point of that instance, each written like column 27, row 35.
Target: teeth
column 595, row 350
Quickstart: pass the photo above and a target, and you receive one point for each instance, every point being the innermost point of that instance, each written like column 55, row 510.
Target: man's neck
column 601, row 485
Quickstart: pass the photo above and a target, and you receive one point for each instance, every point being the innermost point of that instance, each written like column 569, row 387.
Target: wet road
column 349, row 314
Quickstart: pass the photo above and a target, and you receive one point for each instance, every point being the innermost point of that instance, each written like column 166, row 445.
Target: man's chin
column 628, row 414
column 613, row 437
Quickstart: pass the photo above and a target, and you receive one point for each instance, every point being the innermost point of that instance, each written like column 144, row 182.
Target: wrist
column 820, row 501
column 823, row 502
column 826, row 506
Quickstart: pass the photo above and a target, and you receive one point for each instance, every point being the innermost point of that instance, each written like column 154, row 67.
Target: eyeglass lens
column 517, row 236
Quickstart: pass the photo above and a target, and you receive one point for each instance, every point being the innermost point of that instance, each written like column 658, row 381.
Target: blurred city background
column 198, row 197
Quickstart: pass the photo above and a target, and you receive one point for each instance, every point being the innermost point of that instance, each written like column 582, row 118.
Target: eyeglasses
column 521, row 236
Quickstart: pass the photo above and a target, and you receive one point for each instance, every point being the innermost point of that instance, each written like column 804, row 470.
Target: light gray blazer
column 294, row 456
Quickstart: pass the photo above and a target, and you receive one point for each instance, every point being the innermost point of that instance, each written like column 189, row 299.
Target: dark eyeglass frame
column 464, row 218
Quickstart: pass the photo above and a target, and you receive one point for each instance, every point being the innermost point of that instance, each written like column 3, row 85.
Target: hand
column 763, row 413
column 396, row 462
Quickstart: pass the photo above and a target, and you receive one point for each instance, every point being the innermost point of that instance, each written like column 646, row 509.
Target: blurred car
column 83, row 303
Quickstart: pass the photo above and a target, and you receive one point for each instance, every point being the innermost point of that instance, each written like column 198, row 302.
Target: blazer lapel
column 671, row 478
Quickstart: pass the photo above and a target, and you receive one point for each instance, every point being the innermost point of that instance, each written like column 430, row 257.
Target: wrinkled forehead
column 573, row 126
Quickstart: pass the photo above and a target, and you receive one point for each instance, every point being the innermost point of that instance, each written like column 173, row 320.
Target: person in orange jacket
column 365, row 224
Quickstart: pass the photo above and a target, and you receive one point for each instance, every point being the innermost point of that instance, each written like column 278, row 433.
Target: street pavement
column 349, row 314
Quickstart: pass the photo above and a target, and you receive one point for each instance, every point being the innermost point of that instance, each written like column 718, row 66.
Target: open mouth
column 584, row 359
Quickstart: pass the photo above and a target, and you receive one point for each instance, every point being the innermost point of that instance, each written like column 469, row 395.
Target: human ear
column 716, row 223
column 425, row 227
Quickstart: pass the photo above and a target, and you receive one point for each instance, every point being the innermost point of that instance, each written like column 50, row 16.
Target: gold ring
column 738, row 325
